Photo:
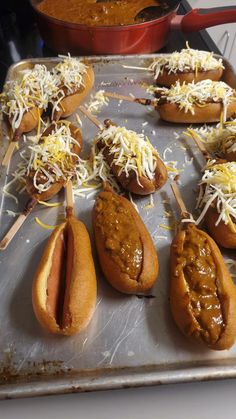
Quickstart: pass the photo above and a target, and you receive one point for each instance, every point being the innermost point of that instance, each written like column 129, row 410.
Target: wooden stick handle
column 183, row 210
column 91, row 117
column 140, row 101
column 196, row 137
column 69, row 199
column 17, row 224
column 9, row 153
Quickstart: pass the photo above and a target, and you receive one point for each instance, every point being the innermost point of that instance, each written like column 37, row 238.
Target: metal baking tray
column 131, row 341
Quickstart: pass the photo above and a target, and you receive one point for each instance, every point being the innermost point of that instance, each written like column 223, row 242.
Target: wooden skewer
column 11, row 147
column 69, row 199
column 17, row 224
column 137, row 68
column 91, row 117
column 9, row 153
column 183, row 210
column 140, row 101
column 196, row 137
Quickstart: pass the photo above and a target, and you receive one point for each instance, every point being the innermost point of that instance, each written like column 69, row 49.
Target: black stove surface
column 20, row 39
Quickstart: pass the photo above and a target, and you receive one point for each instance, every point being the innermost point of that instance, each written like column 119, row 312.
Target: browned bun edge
column 119, row 280
column 221, row 233
column 211, row 112
column 167, row 80
column 179, row 299
column 83, row 289
column 71, row 102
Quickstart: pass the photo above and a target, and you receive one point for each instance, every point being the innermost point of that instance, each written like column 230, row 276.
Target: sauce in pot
column 91, row 13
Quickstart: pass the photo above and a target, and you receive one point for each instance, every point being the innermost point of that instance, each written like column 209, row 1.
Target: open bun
column 69, row 312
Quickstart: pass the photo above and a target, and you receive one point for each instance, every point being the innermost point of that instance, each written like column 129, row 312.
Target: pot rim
column 131, row 26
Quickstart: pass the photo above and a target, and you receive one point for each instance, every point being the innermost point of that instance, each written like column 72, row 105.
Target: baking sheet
column 131, row 341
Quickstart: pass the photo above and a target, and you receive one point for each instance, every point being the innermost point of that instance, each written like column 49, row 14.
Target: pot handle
column 198, row 19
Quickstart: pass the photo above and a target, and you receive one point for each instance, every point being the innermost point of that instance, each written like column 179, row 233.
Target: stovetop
column 19, row 36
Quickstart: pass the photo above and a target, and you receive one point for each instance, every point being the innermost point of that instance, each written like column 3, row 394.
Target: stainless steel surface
column 131, row 341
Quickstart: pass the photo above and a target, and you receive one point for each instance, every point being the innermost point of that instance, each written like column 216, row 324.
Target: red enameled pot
column 151, row 36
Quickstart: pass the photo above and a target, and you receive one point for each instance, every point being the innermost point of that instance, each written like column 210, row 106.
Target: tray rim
column 109, row 378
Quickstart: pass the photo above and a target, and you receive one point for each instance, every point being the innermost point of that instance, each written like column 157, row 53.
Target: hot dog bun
column 132, row 159
column 70, row 102
column 221, row 233
column 202, row 293
column 167, row 79
column 125, row 249
column 141, row 185
column 58, row 184
column 210, row 112
column 71, row 312
column 201, row 102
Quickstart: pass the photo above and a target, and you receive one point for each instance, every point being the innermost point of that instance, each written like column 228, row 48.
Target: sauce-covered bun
column 202, row 293
column 125, row 249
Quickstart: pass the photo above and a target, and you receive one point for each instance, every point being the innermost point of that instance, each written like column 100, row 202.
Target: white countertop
column 205, row 400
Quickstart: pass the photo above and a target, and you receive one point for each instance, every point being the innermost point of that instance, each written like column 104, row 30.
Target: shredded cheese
column 50, row 204
column 187, row 96
column 186, row 60
column 52, row 158
column 69, row 78
column 96, row 102
column 46, row 226
column 219, row 139
column 33, row 90
column 131, row 152
column 218, row 187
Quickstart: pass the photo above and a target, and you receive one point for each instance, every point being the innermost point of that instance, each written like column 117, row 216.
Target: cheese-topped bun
column 218, row 139
column 217, row 201
column 24, row 100
column 186, row 66
column 52, row 160
column 132, row 159
column 205, row 101
column 74, row 80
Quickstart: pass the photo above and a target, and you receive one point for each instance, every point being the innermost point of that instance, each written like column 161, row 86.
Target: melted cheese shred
column 34, row 89
column 130, row 151
column 187, row 96
column 187, row 60
column 218, row 187
column 52, row 158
